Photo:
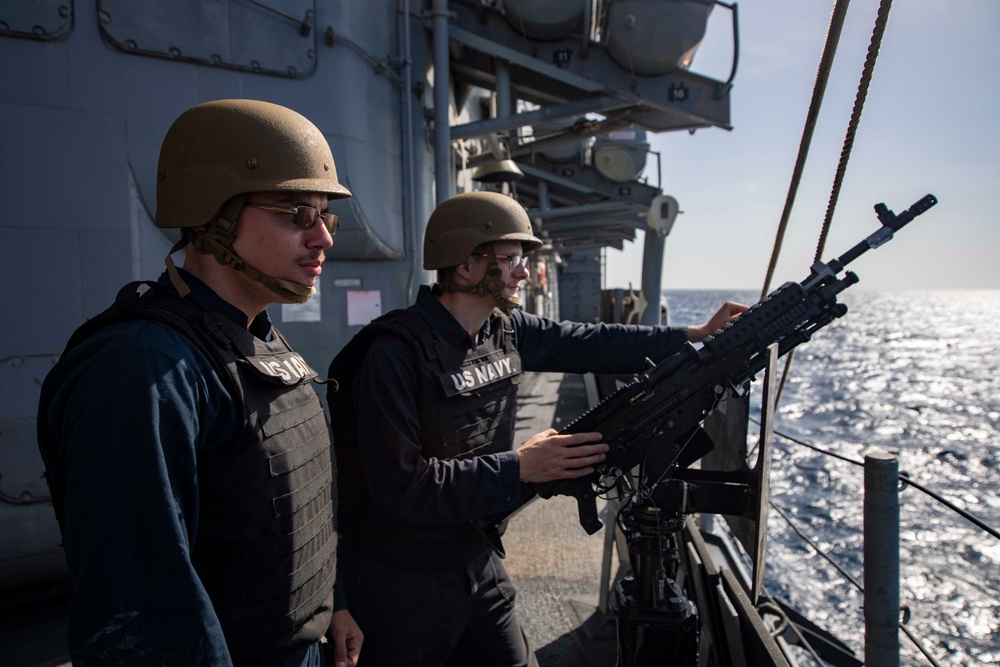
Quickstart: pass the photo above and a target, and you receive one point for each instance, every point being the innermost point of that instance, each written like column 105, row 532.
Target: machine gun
column 656, row 419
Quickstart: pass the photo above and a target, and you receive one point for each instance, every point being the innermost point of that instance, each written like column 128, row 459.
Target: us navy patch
column 289, row 368
column 480, row 372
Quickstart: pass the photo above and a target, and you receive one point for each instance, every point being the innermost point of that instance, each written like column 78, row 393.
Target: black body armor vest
column 266, row 548
column 467, row 406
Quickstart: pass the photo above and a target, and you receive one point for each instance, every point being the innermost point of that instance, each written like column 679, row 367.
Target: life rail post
column 881, row 559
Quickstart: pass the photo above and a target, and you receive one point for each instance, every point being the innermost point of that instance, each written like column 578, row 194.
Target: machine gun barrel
column 890, row 223
column 660, row 412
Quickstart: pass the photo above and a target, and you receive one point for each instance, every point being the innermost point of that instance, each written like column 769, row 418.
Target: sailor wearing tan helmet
column 186, row 451
column 424, row 427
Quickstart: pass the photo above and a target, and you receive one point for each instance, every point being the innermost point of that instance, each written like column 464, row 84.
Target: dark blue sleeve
column 131, row 412
column 575, row 347
column 405, row 485
column 339, row 596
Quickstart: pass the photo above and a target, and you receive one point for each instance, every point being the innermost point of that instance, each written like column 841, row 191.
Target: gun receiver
column 655, row 420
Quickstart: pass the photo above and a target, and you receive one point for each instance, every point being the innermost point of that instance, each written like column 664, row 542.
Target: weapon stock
column 655, row 420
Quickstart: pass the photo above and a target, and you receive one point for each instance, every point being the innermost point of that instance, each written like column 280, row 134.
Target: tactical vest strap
column 509, row 338
column 400, row 323
column 160, row 305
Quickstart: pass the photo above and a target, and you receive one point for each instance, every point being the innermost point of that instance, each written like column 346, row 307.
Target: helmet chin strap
column 492, row 284
column 217, row 239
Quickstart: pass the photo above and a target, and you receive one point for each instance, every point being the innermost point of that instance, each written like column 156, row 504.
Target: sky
column 930, row 124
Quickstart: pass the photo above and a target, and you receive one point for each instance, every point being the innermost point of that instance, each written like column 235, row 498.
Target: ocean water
column 916, row 374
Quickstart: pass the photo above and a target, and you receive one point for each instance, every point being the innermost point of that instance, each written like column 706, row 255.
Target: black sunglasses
column 303, row 217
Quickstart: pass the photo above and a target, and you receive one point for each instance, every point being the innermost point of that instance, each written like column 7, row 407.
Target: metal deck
column 555, row 565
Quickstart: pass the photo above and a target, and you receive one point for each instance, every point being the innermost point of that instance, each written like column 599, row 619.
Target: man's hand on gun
column 726, row 314
column 549, row 456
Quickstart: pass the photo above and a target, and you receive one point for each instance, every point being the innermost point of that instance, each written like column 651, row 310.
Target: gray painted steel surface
column 90, row 88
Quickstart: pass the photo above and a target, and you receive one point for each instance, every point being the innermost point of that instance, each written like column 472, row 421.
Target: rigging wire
column 847, row 575
column 903, row 477
column 907, row 481
column 881, row 21
column 819, row 89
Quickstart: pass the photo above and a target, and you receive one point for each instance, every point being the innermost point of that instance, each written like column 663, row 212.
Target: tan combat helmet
column 217, row 153
column 462, row 223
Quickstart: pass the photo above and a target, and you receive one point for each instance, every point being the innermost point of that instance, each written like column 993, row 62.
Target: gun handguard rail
column 651, row 418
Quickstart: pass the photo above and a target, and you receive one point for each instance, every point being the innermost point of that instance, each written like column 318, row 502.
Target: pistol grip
column 587, row 508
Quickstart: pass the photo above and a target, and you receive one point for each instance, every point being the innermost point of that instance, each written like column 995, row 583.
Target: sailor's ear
column 465, row 268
